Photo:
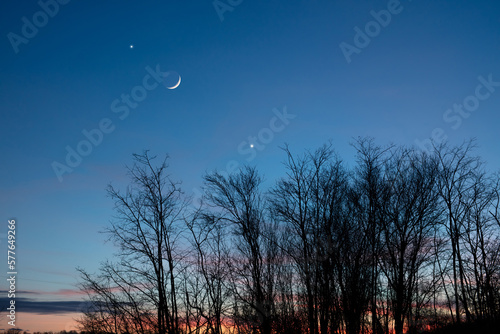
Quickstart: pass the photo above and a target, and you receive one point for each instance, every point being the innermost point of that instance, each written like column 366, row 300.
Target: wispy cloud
column 4, row 292
column 45, row 307
column 69, row 292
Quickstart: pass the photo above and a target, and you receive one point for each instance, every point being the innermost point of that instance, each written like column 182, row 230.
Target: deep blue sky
column 264, row 55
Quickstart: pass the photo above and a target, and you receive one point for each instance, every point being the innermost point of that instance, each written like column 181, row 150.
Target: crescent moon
column 178, row 82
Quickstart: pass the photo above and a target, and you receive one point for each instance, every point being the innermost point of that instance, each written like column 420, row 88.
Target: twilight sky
column 259, row 73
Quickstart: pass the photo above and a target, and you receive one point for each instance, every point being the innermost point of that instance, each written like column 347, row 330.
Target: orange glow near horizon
column 35, row 322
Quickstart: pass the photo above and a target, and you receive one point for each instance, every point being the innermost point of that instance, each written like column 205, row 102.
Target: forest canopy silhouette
column 401, row 242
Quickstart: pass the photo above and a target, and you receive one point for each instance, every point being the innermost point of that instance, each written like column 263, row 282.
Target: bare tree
column 292, row 201
column 146, row 230
column 118, row 302
column 410, row 215
column 456, row 182
column 236, row 200
column 368, row 195
column 311, row 203
column 209, row 294
column 401, row 241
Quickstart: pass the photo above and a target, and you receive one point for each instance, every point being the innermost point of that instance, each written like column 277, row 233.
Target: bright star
column 131, row 46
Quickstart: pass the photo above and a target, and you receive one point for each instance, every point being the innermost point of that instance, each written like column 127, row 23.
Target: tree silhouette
column 402, row 242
